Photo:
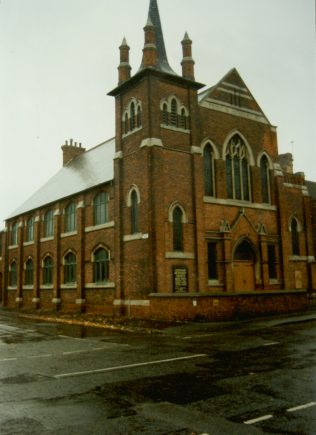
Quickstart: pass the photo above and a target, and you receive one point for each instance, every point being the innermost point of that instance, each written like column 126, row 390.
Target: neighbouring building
column 189, row 212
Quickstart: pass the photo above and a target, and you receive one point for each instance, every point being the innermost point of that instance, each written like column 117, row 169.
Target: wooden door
column 244, row 276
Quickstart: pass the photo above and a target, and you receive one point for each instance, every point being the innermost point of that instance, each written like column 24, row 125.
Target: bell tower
column 156, row 131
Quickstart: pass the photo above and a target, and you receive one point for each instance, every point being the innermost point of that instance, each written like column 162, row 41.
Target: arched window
column 126, row 123
column 13, row 274
column 237, row 170
column 14, row 234
column 101, row 206
column 30, row 229
column 174, row 113
column 134, row 212
column 265, row 179
column 29, row 272
column 70, row 265
column 295, row 237
column 70, row 217
column 165, row 114
column 209, row 171
column 177, row 229
column 48, row 271
column 101, row 266
column 49, row 224
column 139, row 117
column 183, row 119
column 132, row 116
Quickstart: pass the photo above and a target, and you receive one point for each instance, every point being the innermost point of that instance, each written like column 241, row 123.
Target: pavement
column 151, row 326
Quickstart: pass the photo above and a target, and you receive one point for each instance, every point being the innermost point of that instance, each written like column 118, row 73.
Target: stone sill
column 29, row 243
column 69, row 234
column 68, row 286
column 47, row 239
column 104, row 285
column 239, row 203
column 99, row 227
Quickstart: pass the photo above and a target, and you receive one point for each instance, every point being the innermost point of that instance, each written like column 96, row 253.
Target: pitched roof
column 231, row 95
column 90, row 169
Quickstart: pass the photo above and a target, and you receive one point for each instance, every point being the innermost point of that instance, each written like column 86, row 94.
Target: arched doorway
column 244, row 267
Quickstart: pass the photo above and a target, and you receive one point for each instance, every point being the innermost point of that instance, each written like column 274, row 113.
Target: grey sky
column 59, row 58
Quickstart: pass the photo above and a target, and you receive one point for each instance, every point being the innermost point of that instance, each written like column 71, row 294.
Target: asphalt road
column 235, row 378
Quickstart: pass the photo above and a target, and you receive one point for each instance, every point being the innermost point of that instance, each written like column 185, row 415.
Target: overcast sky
column 59, row 59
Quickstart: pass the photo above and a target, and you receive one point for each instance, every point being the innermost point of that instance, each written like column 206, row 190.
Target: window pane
column 212, row 258
column 264, row 170
column 101, row 266
column 134, row 213
column 101, row 208
column 208, row 171
column 177, row 230
column 237, row 184
column 245, row 180
column 271, row 262
column 295, row 238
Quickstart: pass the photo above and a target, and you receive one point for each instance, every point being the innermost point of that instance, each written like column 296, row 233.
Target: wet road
column 241, row 378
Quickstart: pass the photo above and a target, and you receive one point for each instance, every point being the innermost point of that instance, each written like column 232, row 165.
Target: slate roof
column 90, row 169
column 162, row 61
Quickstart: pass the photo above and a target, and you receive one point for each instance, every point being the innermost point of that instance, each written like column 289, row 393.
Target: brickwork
column 257, row 264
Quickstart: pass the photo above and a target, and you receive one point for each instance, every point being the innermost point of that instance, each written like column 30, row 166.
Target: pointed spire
column 124, row 67
column 187, row 60
column 154, row 19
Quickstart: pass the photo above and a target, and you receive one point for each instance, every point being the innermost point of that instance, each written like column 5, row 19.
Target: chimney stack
column 71, row 150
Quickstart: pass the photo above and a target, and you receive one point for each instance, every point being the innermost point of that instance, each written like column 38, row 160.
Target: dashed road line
column 47, row 355
column 8, row 359
column 297, row 408
column 128, row 366
column 256, row 420
column 273, row 343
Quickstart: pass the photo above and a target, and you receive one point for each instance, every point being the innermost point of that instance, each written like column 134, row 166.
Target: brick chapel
column 189, row 212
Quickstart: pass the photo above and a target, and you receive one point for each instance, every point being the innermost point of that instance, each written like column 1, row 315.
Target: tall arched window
column 237, row 170
column 139, row 117
column 70, row 217
column 48, row 271
column 14, row 234
column 132, row 118
column 49, row 224
column 265, row 179
column 70, row 266
column 174, row 113
column 30, row 229
column 126, row 123
column 101, row 266
column 295, row 237
column 177, row 229
column 13, row 276
column 29, row 272
column 101, row 202
column 134, row 212
column 183, row 119
column 209, row 171
column 165, row 114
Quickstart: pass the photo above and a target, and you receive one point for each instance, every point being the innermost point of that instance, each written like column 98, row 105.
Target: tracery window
column 30, row 229
column 49, row 224
column 295, row 237
column 177, row 229
column 48, row 271
column 237, row 170
column 70, row 266
column 132, row 117
column 265, row 179
column 29, row 272
column 101, row 265
column 70, row 217
column 174, row 114
column 101, row 208
column 209, row 182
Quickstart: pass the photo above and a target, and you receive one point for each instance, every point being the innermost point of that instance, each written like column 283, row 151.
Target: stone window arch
column 265, row 179
column 132, row 117
column 133, row 201
column 209, row 170
column 174, row 114
column 47, row 266
column 13, row 273
column 178, row 218
column 295, row 229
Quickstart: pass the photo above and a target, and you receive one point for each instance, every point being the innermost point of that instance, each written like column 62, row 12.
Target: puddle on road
column 23, row 378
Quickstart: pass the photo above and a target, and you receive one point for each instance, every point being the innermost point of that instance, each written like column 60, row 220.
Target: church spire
column 162, row 61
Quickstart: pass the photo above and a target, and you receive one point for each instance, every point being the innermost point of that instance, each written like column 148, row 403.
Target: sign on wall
column 180, row 279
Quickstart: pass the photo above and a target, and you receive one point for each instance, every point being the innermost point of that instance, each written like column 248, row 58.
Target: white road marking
column 129, row 366
column 48, row 355
column 8, row 359
column 196, row 336
column 306, row 405
column 273, row 343
column 256, row 420
column 74, row 351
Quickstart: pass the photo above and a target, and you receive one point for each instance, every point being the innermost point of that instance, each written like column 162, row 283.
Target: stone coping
column 227, row 294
